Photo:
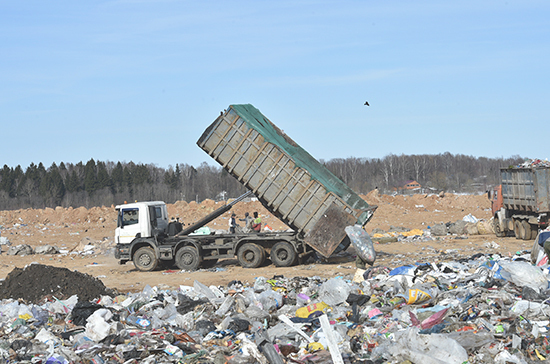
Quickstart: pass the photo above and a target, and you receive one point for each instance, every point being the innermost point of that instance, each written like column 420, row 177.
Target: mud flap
column 362, row 243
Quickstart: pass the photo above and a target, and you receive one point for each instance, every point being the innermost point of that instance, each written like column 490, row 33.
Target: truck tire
column 534, row 231
column 250, row 255
column 517, row 229
column 527, row 230
column 521, row 231
column 496, row 227
column 283, row 254
column 188, row 258
column 145, row 259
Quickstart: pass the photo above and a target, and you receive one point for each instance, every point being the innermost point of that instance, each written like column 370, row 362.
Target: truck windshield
column 130, row 216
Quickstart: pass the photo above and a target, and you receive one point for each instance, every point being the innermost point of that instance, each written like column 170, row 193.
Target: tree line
column 107, row 183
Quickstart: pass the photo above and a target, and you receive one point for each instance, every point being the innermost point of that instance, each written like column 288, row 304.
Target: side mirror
column 120, row 222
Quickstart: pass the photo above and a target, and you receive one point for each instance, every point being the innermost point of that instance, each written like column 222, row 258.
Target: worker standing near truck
column 257, row 224
column 232, row 223
column 247, row 222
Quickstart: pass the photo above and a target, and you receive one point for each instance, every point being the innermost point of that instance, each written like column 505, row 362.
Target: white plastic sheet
column 428, row 349
column 524, row 274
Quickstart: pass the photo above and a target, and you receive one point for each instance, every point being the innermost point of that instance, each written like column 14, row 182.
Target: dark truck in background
column 287, row 180
column 521, row 203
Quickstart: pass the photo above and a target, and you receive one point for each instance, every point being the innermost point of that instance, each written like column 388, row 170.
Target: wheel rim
column 249, row 256
column 187, row 259
column 144, row 260
column 282, row 254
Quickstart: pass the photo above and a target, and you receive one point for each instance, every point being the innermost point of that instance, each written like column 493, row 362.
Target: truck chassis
column 192, row 252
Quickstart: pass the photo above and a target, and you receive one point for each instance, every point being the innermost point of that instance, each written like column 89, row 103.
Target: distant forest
column 107, row 183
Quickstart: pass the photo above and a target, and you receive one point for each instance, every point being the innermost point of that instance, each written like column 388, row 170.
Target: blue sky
column 140, row 80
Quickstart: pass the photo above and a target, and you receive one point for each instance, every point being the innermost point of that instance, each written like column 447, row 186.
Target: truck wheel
column 517, row 229
column 283, row 254
column 496, row 227
column 523, row 234
column 188, row 258
column 534, row 231
column 264, row 255
column 145, row 259
column 250, row 255
column 527, row 230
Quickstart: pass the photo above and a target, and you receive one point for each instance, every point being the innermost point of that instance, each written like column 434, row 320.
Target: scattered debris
column 534, row 163
column 46, row 249
column 21, row 249
column 480, row 309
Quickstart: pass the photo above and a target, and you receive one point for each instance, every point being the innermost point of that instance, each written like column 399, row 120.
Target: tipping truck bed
column 521, row 203
column 288, row 181
column 526, row 189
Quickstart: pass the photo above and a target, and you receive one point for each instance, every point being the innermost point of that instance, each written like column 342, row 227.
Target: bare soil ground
column 71, row 229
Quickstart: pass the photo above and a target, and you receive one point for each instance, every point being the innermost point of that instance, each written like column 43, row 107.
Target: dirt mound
column 64, row 227
column 35, row 281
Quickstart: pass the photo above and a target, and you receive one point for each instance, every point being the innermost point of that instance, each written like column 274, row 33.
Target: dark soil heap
column 36, row 281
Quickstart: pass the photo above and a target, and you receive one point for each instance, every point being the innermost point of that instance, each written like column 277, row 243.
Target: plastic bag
column 470, row 218
column 542, row 237
column 431, row 321
column 538, row 256
column 470, row 339
column 524, row 274
column 405, row 270
column 302, row 299
column 203, row 291
column 305, row 312
column 260, row 284
column 225, row 306
column 523, row 307
column 97, row 327
column 542, row 259
column 270, row 300
column 362, row 243
column 419, row 294
column 427, row 349
column 504, row 357
column 334, row 291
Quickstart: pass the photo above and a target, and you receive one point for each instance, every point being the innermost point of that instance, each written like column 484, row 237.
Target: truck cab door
column 128, row 225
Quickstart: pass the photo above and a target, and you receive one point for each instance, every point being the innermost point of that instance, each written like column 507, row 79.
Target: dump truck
column 521, row 203
column 287, row 180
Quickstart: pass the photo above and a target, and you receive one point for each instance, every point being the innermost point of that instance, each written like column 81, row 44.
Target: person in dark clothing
column 232, row 224
column 247, row 222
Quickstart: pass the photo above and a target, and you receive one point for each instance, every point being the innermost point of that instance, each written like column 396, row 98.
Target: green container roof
column 256, row 120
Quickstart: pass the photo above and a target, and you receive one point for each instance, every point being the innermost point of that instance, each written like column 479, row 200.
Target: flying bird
column 367, row 103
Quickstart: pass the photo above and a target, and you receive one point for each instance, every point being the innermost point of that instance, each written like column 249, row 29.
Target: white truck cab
column 140, row 219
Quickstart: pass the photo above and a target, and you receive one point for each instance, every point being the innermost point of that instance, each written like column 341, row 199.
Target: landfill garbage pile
column 482, row 309
column 36, row 281
column 469, row 225
column 534, row 163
